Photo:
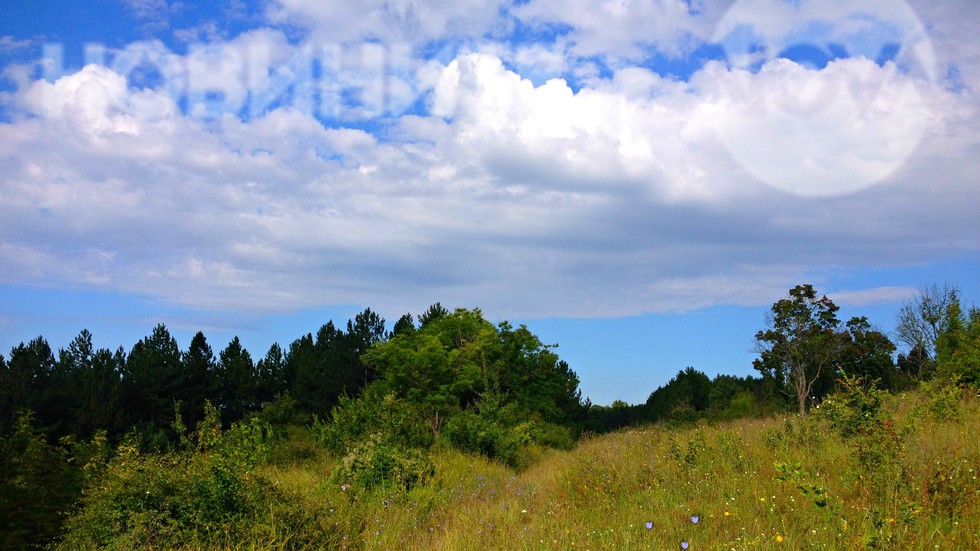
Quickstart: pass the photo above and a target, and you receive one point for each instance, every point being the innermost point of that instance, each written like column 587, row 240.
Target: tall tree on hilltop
column 800, row 344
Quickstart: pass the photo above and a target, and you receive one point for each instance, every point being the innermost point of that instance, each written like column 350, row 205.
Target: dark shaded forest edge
column 447, row 431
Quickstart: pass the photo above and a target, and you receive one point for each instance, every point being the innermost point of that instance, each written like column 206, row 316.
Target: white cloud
column 817, row 133
column 625, row 29
column 877, row 295
column 517, row 193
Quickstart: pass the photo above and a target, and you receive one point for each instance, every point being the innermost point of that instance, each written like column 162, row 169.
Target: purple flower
column 649, row 524
column 683, row 545
column 695, row 519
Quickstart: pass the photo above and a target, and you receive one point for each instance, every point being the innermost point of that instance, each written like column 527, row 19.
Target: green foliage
column 683, row 399
column 496, row 435
column 941, row 403
column 355, row 420
column 377, row 462
column 801, row 344
column 794, row 473
column 856, row 408
column 205, row 496
column 37, row 483
column 878, row 465
column 958, row 347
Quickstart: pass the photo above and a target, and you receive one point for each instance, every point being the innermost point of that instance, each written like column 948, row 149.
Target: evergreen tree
column 26, row 379
column 151, row 380
column 197, row 380
column 239, row 383
column 271, row 375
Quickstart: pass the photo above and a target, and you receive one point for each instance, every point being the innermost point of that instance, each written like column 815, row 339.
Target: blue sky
column 637, row 182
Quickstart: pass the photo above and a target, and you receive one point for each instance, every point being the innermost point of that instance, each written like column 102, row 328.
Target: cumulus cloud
column 512, row 189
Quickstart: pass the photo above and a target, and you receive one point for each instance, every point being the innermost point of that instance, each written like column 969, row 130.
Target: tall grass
column 776, row 483
column 642, row 489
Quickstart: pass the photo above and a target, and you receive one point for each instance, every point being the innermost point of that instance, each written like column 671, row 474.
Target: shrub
column 856, row 408
column 354, row 420
column 192, row 497
column 377, row 462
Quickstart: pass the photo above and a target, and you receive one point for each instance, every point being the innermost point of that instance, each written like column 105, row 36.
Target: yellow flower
column 726, row 513
column 762, row 499
column 779, row 538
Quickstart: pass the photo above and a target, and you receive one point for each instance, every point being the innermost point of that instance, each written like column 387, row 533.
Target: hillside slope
column 908, row 480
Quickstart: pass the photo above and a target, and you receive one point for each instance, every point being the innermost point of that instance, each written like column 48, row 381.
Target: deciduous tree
column 801, row 342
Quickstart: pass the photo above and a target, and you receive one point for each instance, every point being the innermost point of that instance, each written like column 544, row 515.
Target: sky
column 637, row 181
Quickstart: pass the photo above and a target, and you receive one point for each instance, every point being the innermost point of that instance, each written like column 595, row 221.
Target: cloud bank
column 530, row 159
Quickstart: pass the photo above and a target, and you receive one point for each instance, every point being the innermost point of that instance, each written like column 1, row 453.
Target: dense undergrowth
column 864, row 470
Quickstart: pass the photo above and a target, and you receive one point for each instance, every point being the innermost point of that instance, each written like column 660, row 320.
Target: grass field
column 780, row 483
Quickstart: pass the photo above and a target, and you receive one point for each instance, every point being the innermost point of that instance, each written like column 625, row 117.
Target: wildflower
column 694, row 519
column 345, row 487
column 649, row 524
column 762, row 499
column 779, row 538
column 683, row 545
column 726, row 513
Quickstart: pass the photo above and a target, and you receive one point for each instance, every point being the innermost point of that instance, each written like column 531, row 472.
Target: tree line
column 804, row 351
column 803, row 348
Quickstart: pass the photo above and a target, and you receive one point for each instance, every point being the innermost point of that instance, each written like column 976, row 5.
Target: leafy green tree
column 867, row 354
column 37, row 485
column 725, row 389
column 452, row 362
column 910, row 364
column 800, row 344
column 686, row 395
column 530, row 371
column 443, row 366
column 958, row 346
column 921, row 322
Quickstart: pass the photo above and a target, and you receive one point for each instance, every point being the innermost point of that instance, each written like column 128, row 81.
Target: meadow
column 776, row 483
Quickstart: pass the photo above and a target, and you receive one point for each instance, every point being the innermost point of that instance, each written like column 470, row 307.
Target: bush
column 942, row 401
column 206, row 496
column 377, row 462
column 856, row 408
column 354, row 420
